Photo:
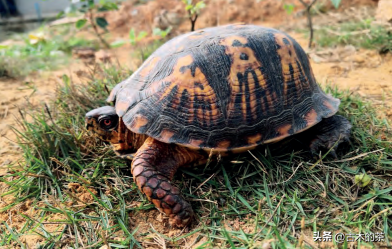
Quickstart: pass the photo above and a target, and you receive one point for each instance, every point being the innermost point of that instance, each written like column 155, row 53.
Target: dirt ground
column 15, row 96
column 18, row 95
column 362, row 72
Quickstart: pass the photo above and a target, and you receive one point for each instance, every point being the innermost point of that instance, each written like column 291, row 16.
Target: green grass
column 243, row 202
column 50, row 52
column 361, row 33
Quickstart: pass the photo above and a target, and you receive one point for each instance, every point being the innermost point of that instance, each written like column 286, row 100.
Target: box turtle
column 219, row 90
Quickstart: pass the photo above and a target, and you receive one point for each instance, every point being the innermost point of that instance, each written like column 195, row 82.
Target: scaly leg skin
column 153, row 168
column 329, row 133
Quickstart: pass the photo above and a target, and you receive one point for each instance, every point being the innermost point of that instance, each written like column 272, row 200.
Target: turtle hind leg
column 328, row 134
column 153, row 168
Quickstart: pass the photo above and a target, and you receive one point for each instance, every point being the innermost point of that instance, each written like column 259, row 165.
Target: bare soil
column 362, row 72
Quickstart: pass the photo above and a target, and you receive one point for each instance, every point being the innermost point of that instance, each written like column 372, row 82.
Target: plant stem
column 308, row 7
column 193, row 20
column 91, row 17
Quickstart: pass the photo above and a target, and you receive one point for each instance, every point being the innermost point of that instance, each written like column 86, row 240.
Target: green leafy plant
column 132, row 38
column 336, row 3
column 161, row 33
column 40, row 50
column 364, row 33
column 289, row 7
column 362, row 179
column 308, row 6
column 90, row 9
column 193, row 10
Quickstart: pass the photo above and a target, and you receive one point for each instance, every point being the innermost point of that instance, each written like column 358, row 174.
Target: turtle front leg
column 329, row 133
column 153, row 168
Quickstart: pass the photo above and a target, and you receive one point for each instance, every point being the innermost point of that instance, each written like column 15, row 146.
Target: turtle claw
column 316, row 146
column 183, row 218
column 332, row 152
column 329, row 134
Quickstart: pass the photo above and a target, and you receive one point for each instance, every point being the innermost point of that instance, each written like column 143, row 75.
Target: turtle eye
column 108, row 122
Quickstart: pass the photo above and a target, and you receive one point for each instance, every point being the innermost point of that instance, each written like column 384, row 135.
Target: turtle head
column 108, row 126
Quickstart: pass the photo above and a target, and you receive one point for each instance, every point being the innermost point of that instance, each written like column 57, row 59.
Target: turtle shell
column 227, row 88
